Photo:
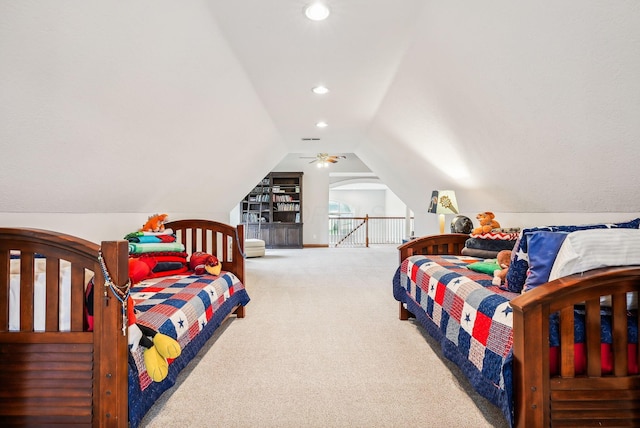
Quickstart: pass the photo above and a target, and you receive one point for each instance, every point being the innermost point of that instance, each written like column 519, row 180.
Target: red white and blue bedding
column 186, row 308
column 467, row 314
column 472, row 319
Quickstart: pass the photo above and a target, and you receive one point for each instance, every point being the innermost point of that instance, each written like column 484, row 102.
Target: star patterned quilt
column 188, row 308
column 473, row 321
column 470, row 317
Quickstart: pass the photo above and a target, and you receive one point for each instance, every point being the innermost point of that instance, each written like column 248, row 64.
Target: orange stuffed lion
column 155, row 223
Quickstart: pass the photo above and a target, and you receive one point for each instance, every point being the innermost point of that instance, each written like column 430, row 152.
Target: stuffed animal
column 487, row 223
column 504, row 260
column 155, row 223
column 138, row 270
column 201, row 262
column 159, row 347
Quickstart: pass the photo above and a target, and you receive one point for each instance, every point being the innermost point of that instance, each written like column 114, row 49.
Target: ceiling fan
column 324, row 159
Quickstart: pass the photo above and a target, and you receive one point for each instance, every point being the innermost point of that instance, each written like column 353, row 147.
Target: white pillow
column 584, row 250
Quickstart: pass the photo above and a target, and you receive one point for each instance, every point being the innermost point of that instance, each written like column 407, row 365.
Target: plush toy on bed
column 155, row 223
column 487, row 223
column 504, row 260
column 201, row 263
column 159, row 347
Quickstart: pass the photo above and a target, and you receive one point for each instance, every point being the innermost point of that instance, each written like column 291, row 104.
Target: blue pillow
column 520, row 259
column 543, row 249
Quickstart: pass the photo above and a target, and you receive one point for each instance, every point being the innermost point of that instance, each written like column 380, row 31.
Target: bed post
column 530, row 364
column 110, row 344
column 238, row 253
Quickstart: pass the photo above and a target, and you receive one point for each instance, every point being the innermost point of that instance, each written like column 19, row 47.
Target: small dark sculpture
column 461, row 224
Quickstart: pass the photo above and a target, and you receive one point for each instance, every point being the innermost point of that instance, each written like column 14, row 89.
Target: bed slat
column 594, row 363
column 567, row 351
column 26, row 291
column 619, row 331
column 4, row 291
column 52, row 318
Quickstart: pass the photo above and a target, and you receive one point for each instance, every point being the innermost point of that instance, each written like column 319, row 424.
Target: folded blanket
column 147, row 239
column 160, row 274
column 168, row 266
column 483, row 254
column 495, row 236
column 140, row 248
column 166, row 256
column 489, row 244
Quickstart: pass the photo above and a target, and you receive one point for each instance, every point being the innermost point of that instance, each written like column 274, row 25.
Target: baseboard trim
column 315, row 246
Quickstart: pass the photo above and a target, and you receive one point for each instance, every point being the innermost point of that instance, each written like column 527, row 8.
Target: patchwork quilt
column 473, row 321
column 467, row 314
column 187, row 308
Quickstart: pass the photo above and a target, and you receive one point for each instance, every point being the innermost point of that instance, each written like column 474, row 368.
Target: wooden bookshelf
column 272, row 211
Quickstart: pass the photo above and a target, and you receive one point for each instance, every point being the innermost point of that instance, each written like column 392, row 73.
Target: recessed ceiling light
column 322, row 124
column 320, row 90
column 317, row 11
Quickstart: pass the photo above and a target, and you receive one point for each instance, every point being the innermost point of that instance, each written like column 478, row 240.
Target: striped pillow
column 520, row 259
column 591, row 249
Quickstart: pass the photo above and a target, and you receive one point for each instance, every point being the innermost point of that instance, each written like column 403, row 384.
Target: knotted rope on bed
column 120, row 291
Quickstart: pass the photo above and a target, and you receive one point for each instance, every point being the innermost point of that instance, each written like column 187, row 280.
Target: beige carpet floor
column 322, row 346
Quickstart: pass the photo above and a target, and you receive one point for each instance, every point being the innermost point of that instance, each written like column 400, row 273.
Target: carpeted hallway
column 322, row 346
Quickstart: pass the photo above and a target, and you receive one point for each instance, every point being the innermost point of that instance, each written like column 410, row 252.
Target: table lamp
column 443, row 202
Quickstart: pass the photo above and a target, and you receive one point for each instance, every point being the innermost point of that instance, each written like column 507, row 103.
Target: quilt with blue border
column 468, row 315
column 473, row 321
column 187, row 308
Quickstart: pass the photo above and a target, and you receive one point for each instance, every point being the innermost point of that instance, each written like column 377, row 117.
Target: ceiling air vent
column 311, row 139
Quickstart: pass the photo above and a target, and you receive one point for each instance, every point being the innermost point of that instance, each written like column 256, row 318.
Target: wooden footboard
column 62, row 375
column 447, row 244
column 592, row 399
column 541, row 400
column 450, row 243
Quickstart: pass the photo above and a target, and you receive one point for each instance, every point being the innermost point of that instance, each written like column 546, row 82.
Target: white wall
column 315, row 201
column 107, row 108
column 523, row 108
column 369, row 202
column 372, row 202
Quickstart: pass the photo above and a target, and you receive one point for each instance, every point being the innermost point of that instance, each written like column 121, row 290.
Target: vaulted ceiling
column 124, row 106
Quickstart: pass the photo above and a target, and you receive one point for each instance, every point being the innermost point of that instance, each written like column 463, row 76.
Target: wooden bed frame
column 76, row 377
column 541, row 400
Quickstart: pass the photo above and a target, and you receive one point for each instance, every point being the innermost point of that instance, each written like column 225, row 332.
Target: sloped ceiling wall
column 519, row 106
column 135, row 96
